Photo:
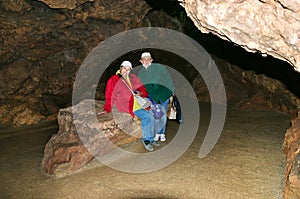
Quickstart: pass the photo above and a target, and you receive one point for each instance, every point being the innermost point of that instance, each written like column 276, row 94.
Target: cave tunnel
column 43, row 45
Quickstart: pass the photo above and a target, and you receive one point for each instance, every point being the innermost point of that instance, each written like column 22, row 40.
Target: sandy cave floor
column 246, row 162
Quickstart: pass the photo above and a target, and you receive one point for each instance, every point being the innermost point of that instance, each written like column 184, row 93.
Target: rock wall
column 41, row 49
column 292, row 151
column 44, row 43
column 252, row 91
column 265, row 26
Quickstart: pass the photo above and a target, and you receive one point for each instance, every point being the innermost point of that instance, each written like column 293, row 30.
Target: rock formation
column 42, row 48
column 292, row 151
column 82, row 137
column 268, row 27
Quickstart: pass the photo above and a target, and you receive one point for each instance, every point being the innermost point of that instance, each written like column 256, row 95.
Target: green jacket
column 157, row 81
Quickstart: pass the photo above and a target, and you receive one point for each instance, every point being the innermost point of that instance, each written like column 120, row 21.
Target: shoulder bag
column 142, row 101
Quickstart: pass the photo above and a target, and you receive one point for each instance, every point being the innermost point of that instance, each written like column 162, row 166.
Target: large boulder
column 83, row 135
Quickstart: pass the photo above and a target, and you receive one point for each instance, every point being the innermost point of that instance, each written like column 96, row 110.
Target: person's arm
column 139, row 87
column 166, row 79
column 108, row 95
column 143, row 91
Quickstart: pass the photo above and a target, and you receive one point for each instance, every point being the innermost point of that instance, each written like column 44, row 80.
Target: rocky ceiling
column 271, row 27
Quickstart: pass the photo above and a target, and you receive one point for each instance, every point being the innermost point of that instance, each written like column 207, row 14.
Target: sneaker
column 147, row 146
column 156, row 138
column 155, row 143
column 163, row 137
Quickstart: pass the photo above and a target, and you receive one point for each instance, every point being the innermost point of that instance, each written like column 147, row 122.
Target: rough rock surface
column 244, row 89
column 82, row 137
column 65, row 4
column 252, row 91
column 268, row 27
column 292, row 151
column 42, row 48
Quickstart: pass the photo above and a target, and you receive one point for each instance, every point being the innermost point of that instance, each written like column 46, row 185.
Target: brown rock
column 269, row 27
column 83, row 135
column 44, row 47
column 291, row 148
column 16, row 5
column 248, row 90
column 17, row 74
column 70, row 4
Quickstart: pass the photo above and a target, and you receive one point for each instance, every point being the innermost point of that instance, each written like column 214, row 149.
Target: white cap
column 146, row 54
column 126, row 63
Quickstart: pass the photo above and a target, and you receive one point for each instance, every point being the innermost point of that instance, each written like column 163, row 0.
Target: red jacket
column 118, row 94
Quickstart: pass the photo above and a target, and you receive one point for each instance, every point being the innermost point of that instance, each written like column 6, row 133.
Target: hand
column 138, row 93
column 102, row 112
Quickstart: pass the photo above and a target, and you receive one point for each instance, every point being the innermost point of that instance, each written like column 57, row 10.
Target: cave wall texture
column 43, row 43
column 42, row 48
column 266, row 26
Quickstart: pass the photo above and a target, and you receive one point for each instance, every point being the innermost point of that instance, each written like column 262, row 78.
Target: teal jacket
column 157, row 81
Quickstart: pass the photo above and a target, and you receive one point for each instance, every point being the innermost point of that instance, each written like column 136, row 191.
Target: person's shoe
column 156, row 138
column 147, row 145
column 155, row 143
column 163, row 137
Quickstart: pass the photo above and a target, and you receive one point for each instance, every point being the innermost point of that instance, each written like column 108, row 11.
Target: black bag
column 176, row 104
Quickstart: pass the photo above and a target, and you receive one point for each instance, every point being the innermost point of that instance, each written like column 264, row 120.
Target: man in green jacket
column 159, row 85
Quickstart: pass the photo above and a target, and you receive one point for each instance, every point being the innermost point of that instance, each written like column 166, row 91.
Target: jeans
column 146, row 123
column 160, row 125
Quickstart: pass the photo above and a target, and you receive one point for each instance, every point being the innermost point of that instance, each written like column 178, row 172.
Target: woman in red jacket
column 118, row 94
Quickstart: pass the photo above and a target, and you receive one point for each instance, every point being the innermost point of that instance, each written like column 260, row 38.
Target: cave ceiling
column 266, row 26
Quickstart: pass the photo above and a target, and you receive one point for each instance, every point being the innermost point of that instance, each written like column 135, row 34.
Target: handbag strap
column 151, row 99
column 122, row 78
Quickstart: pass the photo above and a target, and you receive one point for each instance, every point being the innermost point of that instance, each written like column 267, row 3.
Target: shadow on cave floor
column 246, row 162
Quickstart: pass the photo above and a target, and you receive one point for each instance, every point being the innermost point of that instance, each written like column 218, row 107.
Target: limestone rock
column 83, row 135
column 16, row 5
column 69, row 4
column 268, row 27
column 42, row 49
column 292, row 151
column 248, row 90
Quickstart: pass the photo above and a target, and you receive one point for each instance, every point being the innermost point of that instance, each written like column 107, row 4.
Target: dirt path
column 247, row 162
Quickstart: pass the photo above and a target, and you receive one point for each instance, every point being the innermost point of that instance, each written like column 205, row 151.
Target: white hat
column 126, row 63
column 146, row 54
